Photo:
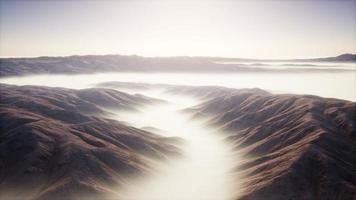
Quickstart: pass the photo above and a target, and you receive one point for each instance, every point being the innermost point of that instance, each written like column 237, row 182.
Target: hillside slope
column 295, row 146
column 56, row 144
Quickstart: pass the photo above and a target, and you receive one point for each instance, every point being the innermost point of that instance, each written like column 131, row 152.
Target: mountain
column 120, row 63
column 341, row 58
column 58, row 143
column 290, row 146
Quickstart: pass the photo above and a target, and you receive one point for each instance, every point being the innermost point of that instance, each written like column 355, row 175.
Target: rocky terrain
column 56, row 143
column 294, row 146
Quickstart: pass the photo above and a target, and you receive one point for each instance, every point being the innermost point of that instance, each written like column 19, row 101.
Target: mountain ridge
column 58, row 143
column 118, row 63
column 294, row 146
column 341, row 57
column 288, row 146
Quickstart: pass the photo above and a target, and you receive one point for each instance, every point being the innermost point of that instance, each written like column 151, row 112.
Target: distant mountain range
column 341, row 58
column 120, row 63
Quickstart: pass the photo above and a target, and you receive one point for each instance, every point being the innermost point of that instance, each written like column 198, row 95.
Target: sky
column 249, row 29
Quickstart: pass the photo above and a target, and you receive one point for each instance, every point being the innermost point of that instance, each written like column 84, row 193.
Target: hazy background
column 255, row 29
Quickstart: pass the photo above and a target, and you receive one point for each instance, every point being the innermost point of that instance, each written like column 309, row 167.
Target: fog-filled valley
column 169, row 136
column 177, row 100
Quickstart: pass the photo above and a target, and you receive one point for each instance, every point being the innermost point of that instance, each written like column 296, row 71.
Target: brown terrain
column 294, row 146
column 56, row 143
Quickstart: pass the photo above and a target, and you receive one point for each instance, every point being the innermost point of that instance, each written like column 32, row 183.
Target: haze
column 187, row 117
column 207, row 155
column 267, row 29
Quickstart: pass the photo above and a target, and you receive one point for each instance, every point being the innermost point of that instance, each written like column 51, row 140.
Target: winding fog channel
column 203, row 171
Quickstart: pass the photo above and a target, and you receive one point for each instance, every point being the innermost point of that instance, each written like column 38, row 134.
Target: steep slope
column 56, row 144
column 295, row 146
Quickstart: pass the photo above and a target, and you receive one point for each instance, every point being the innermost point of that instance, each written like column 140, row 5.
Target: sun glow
column 255, row 29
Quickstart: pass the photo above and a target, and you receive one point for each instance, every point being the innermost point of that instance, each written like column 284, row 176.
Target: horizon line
column 176, row 56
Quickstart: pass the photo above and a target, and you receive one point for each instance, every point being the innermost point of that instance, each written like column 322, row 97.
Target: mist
column 177, row 100
column 204, row 171
column 335, row 85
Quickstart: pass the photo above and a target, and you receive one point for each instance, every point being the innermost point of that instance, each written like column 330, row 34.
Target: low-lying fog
column 337, row 85
column 203, row 172
column 293, row 65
